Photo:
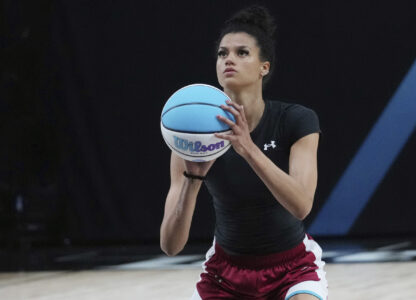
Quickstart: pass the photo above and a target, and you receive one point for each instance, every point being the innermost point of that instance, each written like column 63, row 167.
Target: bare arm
column 180, row 204
column 296, row 190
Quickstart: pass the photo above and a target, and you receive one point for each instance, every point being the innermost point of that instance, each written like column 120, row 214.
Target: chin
column 231, row 83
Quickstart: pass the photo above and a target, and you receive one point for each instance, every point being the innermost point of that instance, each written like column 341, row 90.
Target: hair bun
column 257, row 22
column 257, row 16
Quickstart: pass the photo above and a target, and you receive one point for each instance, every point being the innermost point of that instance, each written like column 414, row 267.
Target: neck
column 252, row 100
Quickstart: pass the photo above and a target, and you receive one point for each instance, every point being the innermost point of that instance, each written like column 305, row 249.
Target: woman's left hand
column 240, row 137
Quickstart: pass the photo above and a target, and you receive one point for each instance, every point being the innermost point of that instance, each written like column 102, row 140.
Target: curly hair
column 256, row 21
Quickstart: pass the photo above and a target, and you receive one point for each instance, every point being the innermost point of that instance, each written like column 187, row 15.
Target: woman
column 262, row 188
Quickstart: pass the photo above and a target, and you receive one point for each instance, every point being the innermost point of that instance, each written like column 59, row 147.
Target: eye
column 243, row 52
column 222, row 53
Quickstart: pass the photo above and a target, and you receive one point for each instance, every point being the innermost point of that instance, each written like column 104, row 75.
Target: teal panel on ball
column 195, row 118
column 196, row 93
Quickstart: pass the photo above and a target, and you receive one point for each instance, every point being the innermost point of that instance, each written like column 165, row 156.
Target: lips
column 229, row 70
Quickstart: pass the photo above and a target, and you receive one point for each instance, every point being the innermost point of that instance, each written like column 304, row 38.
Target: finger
column 236, row 106
column 243, row 114
column 228, row 137
column 233, row 111
column 239, row 108
column 227, row 121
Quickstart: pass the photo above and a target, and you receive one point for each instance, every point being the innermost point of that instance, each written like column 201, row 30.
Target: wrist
column 251, row 151
column 192, row 176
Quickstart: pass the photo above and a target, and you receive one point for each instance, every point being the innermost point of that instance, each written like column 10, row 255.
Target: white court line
column 162, row 262
column 72, row 257
column 181, row 262
column 377, row 256
column 330, row 254
column 395, row 246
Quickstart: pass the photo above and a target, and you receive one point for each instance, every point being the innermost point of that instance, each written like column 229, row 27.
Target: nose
column 229, row 60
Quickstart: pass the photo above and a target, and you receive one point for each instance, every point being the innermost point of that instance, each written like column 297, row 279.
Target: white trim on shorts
column 210, row 253
column 196, row 296
column 319, row 289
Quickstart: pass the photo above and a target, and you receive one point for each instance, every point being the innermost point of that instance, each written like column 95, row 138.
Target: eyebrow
column 238, row 47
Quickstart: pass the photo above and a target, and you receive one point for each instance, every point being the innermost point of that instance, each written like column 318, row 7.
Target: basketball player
column 262, row 188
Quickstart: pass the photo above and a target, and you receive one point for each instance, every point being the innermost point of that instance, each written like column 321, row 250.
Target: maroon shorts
column 276, row 276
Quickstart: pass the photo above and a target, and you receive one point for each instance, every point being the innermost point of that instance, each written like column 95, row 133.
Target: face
column 238, row 61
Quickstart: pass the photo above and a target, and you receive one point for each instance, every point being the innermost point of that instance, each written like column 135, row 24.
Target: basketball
column 188, row 122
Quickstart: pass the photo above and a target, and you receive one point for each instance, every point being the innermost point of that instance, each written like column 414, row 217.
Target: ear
column 265, row 68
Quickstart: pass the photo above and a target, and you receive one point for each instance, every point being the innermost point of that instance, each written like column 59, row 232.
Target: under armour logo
column 267, row 146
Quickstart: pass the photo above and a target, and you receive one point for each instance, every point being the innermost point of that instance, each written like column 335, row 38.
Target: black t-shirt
column 249, row 220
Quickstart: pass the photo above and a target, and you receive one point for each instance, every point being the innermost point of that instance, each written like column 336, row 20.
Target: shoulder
column 297, row 121
column 297, row 110
column 291, row 111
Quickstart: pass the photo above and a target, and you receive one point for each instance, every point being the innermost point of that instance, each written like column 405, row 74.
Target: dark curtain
column 83, row 91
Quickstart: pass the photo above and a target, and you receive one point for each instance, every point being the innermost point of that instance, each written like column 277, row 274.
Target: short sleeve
column 300, row 121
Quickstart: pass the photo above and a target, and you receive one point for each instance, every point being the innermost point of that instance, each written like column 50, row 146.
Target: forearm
column 179, row 210
column 290, row 193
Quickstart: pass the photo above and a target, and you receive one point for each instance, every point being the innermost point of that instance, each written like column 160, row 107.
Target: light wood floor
column 372, row 281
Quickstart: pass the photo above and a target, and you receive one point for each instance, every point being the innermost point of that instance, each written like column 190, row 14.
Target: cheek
column 253, row 69
column 218, row 66
column 219, row 73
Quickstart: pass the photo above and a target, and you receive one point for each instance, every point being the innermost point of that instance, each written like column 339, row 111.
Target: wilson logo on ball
column 185, row 145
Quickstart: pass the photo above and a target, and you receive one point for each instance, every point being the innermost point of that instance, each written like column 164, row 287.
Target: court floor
column 370, row 270
column 362, row 281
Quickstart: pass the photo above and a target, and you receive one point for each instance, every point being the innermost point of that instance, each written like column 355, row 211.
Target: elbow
column 170, row 253
column 169, row 250
column 172, row 243
column 302, row 212
column 301, row 215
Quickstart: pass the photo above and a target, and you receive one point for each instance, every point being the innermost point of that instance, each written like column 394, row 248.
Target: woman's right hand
column 198, row 168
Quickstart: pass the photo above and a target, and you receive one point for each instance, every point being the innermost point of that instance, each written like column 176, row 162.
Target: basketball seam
column 195, row 132
column 199, row 84
column 184, row 104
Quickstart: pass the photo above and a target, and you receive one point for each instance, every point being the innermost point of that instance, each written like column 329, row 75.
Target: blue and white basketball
column 189, row 121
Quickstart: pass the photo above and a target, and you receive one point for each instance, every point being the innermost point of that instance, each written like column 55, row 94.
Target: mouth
column 229, row 70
